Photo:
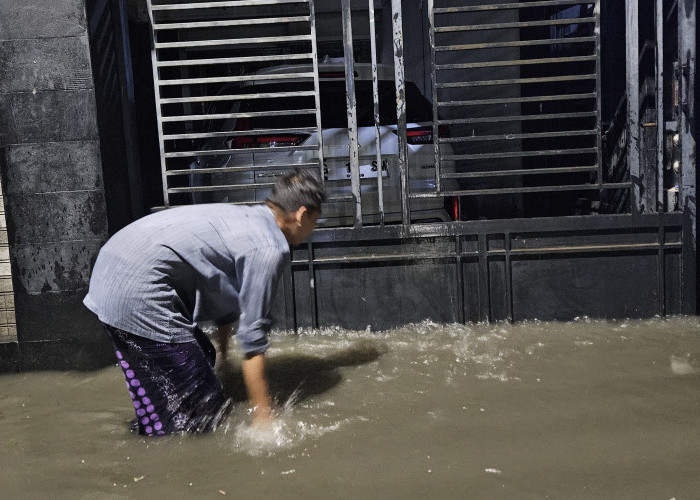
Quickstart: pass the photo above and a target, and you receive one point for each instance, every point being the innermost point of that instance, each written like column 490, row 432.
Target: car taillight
column 264, row 141
column 424, row 135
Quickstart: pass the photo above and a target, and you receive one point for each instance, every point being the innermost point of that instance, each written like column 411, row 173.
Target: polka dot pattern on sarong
column 150, row 389
column 142, row 403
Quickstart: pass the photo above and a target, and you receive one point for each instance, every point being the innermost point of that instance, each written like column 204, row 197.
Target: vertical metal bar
column 433, row 82
column 312, row 286
column 290, row 315
column 686, row 59
column 352, row 111
column 484, row 285
column 686, row 130
column 689, row 265
column 660, row 121
column 159, row 118
column 375, row 96
column 598, row 90
column 633, row 147
column 509, row 276
column 317, row 91
column 661, row 264
column 400, row 80
column 460, row 279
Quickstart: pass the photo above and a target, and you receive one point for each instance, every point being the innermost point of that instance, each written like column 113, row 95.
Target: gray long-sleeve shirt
column 160, row 275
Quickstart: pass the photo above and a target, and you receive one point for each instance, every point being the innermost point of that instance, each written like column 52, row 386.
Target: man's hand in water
column 257, row 388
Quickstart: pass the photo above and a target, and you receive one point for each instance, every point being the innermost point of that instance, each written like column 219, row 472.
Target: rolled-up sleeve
column 260, row 270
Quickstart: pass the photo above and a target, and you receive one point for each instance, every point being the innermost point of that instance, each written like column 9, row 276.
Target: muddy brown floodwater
column 585, row 409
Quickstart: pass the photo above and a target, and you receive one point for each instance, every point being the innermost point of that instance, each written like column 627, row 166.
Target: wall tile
column 9, row 356
column 51, row 167
column 7, row 124
column 54, row 116
column 54, row 205
column 45, row 64
column 62, row 316
column 54, row 267
column 78, row 215
column 41, row 18
column 72, row 354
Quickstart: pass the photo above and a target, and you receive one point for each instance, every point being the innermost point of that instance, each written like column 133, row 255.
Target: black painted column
column 52, row 182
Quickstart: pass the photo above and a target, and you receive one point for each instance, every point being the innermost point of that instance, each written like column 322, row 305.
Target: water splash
column 685, row 364
column 284, row 433
column 257, row 441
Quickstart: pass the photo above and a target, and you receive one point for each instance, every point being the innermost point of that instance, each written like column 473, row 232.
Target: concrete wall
column 52, row 182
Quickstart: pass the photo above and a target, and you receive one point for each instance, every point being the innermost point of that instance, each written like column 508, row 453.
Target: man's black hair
column 299, row 189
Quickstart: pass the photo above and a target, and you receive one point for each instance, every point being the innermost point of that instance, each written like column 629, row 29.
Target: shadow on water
column 300, row 376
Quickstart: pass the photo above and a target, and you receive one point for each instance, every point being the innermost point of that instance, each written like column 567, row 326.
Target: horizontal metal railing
column 521, row 154
column 237, row 79
column 518, row 62
column 231, row 41
column 512, row 81
column 209, row 71
column 518, row 25
column 518, row 43
column 233, row 60
column 233, row 133
column 236, row 97
column 516, row 97
column 549, row 139
column 219, row 5
column 524, row 190
column 508, row 100
column 242, row 168
column 531, row 171
column 230, row 22
column 511, row 5
column 222, row 187
column 252, row 114
column 491, row 119
column 234, row 151
column 535, row 135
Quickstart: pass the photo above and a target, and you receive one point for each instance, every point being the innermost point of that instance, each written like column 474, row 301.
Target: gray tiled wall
column 51, row 171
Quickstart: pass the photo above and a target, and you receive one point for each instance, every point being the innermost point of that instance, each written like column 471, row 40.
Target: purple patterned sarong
column 173, row 386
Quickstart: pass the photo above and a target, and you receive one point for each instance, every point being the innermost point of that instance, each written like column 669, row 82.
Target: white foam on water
column 284, row 433
column 686, row 364
column 500, row 377
column 257, row 441
column 489, row 355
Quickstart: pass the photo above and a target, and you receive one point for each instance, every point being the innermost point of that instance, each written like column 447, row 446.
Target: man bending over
column 157, row 278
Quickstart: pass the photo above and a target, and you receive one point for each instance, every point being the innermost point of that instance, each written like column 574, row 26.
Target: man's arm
column 258, row 392
column 259, row 272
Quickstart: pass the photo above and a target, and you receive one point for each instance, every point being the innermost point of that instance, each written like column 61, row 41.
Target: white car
column 340, row 210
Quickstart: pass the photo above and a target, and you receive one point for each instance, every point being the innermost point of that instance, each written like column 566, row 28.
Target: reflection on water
column 586, row 409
